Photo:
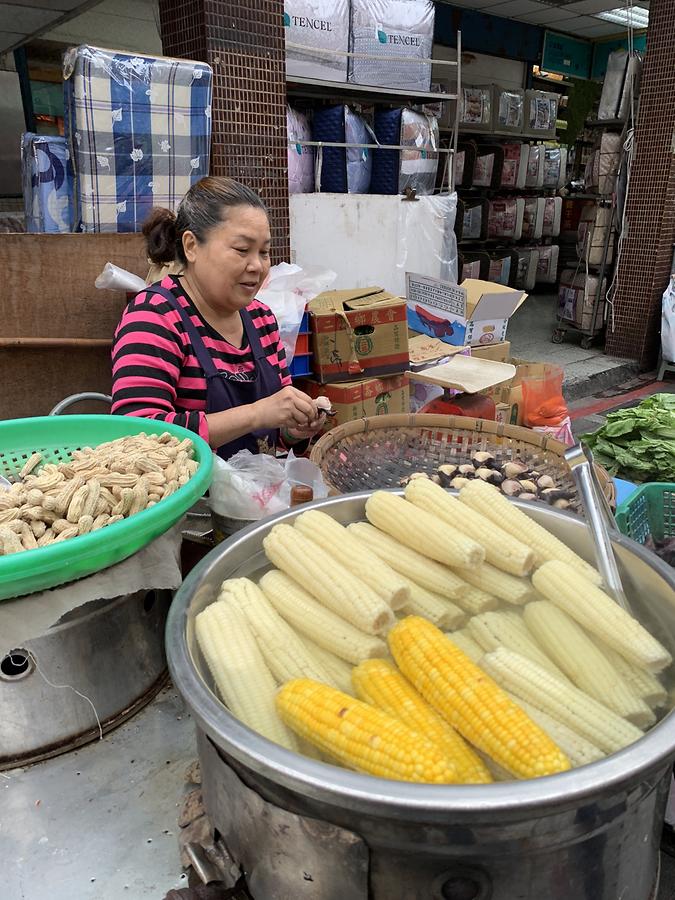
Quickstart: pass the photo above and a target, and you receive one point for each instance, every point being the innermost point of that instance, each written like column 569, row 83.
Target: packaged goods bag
column 396, row 170
column 300, row 157
column 668, row 322
column 139, row 133
column 392, row 29
column 343, row 171
column 312, row 29
column 47, row 177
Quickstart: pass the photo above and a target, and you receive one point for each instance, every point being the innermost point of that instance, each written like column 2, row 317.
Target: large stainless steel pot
column 300, row 828
column 110, row 651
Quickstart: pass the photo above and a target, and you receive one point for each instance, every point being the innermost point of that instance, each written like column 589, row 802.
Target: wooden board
column 48, row 295
column 34, row 381
column 48, row 283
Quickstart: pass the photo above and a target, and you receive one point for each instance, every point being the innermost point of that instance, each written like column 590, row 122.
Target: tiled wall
column 647, row 252
column 243, row 42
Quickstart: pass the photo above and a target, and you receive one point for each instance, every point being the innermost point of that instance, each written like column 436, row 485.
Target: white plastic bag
column 254, row 485
column 668, row 322
column 287, row 290
column 112, row 278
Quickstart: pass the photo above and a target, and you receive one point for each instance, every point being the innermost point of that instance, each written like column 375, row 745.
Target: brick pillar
column 244, row 44
column 647, row 251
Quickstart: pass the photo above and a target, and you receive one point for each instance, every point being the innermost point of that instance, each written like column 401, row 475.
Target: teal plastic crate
column 649, row 511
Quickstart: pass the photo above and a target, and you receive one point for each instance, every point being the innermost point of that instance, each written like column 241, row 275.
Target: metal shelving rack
column 315, row 88
column 602, row 271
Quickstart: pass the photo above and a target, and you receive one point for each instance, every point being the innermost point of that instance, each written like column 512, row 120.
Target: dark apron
column 225, row 393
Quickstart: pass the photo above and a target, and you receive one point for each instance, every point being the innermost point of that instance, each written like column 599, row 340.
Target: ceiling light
column 634, row 16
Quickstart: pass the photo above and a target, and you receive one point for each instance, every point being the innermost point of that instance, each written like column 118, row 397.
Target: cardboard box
column 475, row 313
column 510, row 393
column 358, row 333
column 496, row 352
column 362, row 399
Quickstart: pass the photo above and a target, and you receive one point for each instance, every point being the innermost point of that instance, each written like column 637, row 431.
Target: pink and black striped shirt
column 155, row 372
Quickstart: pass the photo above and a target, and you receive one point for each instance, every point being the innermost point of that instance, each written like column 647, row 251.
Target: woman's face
column 231, row 264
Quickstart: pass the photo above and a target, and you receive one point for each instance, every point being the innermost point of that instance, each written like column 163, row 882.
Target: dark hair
column 203, row 207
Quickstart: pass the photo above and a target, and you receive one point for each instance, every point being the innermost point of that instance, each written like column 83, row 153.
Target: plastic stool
column 664, row 366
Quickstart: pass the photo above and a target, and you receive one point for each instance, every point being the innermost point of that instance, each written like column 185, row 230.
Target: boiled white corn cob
column 314, row 621
column 578, row 750
column 499, row 629
column 499, row 584
column 285, row 654
column 562, row 701
column 425, row 572
column 599, row 614
column 475, row 601
column 348, row 550
column 438, row 610
column 339, row 670
column 466, row 643
column 643, row 683
column 490, row 502
column 327, row 580
column 579, row 658
column 501, row 548
column 422, row 531
column 240, row 672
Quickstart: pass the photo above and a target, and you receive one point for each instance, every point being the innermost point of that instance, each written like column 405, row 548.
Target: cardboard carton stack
column 360, row 353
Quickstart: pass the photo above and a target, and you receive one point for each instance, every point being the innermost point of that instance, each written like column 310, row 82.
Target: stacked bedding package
column 300, row 157
column 343, row 170
column 139, row 133
column 395, row 171
column 318, row 26
column 577, row 297
column 47, row 183
column 392, row 29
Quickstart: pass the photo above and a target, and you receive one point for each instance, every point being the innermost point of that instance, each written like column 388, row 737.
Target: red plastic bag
column 543, row 403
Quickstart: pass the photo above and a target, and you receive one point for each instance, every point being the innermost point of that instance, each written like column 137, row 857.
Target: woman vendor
column 198, row 349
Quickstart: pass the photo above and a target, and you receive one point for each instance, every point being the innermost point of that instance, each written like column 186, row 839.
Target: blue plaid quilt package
column 47, row 183
column 139, row 131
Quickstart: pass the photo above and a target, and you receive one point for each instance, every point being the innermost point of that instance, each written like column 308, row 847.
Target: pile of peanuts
column 94, row 488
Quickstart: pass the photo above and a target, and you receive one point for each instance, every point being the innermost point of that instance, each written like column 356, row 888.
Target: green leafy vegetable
column 638, row 444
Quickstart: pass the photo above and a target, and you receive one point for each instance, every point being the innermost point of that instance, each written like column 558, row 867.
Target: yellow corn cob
column 490, row 502
column 438, row 610
column 501, row 548
column 578, row 750
column 422, row 531
column 499, row 629
column 472, row 703
column 579, row 658
column 327, row 580
column 283, row 651
column 600, row 615
column 360, row 736
column 239, row 671
column 348, row 550
column 563, row 702
column 643, row 683
column 340, row 671
column 498, row 584
column 314, row 621
column 425, row 572
column 466, row 643
column 379, row 683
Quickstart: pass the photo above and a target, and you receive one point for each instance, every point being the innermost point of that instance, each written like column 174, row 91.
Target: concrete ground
column 99, row 823
column 586, row 371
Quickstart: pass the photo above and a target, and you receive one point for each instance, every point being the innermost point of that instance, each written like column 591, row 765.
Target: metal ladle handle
column 600, row 520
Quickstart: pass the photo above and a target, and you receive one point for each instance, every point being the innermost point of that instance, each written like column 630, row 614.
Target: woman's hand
column 290, row 409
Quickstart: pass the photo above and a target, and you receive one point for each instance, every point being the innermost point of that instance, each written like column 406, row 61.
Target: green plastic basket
column 648, row 511
column 55, row 437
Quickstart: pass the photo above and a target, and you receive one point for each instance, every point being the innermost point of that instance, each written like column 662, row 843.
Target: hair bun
column 160, row 234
